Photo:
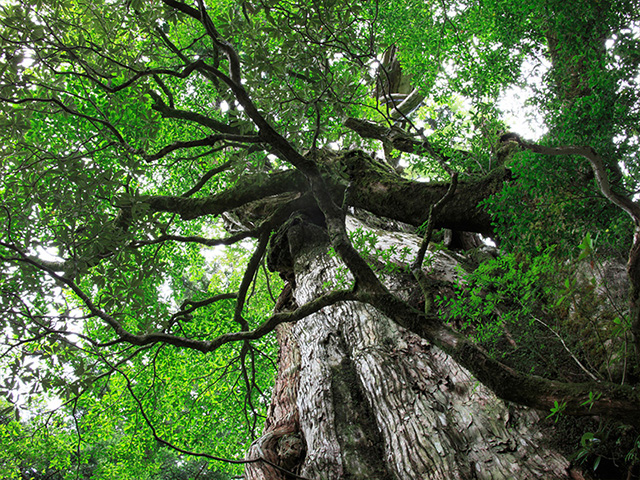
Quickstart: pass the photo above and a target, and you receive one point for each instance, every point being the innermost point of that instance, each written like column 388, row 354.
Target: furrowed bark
column 376, row 401
column 620, row 402
column 282, row 442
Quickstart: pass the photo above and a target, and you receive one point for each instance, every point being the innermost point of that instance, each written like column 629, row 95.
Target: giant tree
column 167, row 165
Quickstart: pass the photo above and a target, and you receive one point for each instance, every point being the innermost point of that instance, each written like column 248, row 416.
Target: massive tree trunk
column 359, row 397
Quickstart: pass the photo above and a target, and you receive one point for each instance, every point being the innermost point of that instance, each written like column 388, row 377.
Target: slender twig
column 191, row 453
column 62, row 106
column 207, row 176
column 202, row 142
column 575, row 359
column 209, row 242
column 416, row 266
column 434, row 210
column 248, row 278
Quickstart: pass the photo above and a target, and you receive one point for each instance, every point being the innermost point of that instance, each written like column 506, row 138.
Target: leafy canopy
column 120, row 121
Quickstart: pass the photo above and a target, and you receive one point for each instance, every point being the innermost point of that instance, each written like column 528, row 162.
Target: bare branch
column 207, row 141
column 206, row 177
column 248, row 278
column 400, row 140
column 209, row 242
column 189, row 306
column 169, row 112
column 243, row 192
column 62, row 106
column 434, row 211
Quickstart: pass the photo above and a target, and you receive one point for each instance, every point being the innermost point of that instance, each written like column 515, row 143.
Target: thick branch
column 620, row 402
column 408, row 105
column 398, row 138
column 249, row 190
column 383, row 193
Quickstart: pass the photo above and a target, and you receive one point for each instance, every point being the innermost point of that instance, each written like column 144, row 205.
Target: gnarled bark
column 375, row 401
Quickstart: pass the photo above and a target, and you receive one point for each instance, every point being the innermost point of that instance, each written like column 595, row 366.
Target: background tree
column 170, row 168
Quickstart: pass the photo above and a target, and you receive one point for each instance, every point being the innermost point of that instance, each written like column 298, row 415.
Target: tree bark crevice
column 366, row 384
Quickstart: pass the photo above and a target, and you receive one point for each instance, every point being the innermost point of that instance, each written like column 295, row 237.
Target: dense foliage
column 139, row 138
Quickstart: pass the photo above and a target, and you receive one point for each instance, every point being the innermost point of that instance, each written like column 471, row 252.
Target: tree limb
column 204, row 346
column 379, row 191
column 620, row 402
column 248, row 190
column 399, row 139
column 169, row 112
column 202, row 142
